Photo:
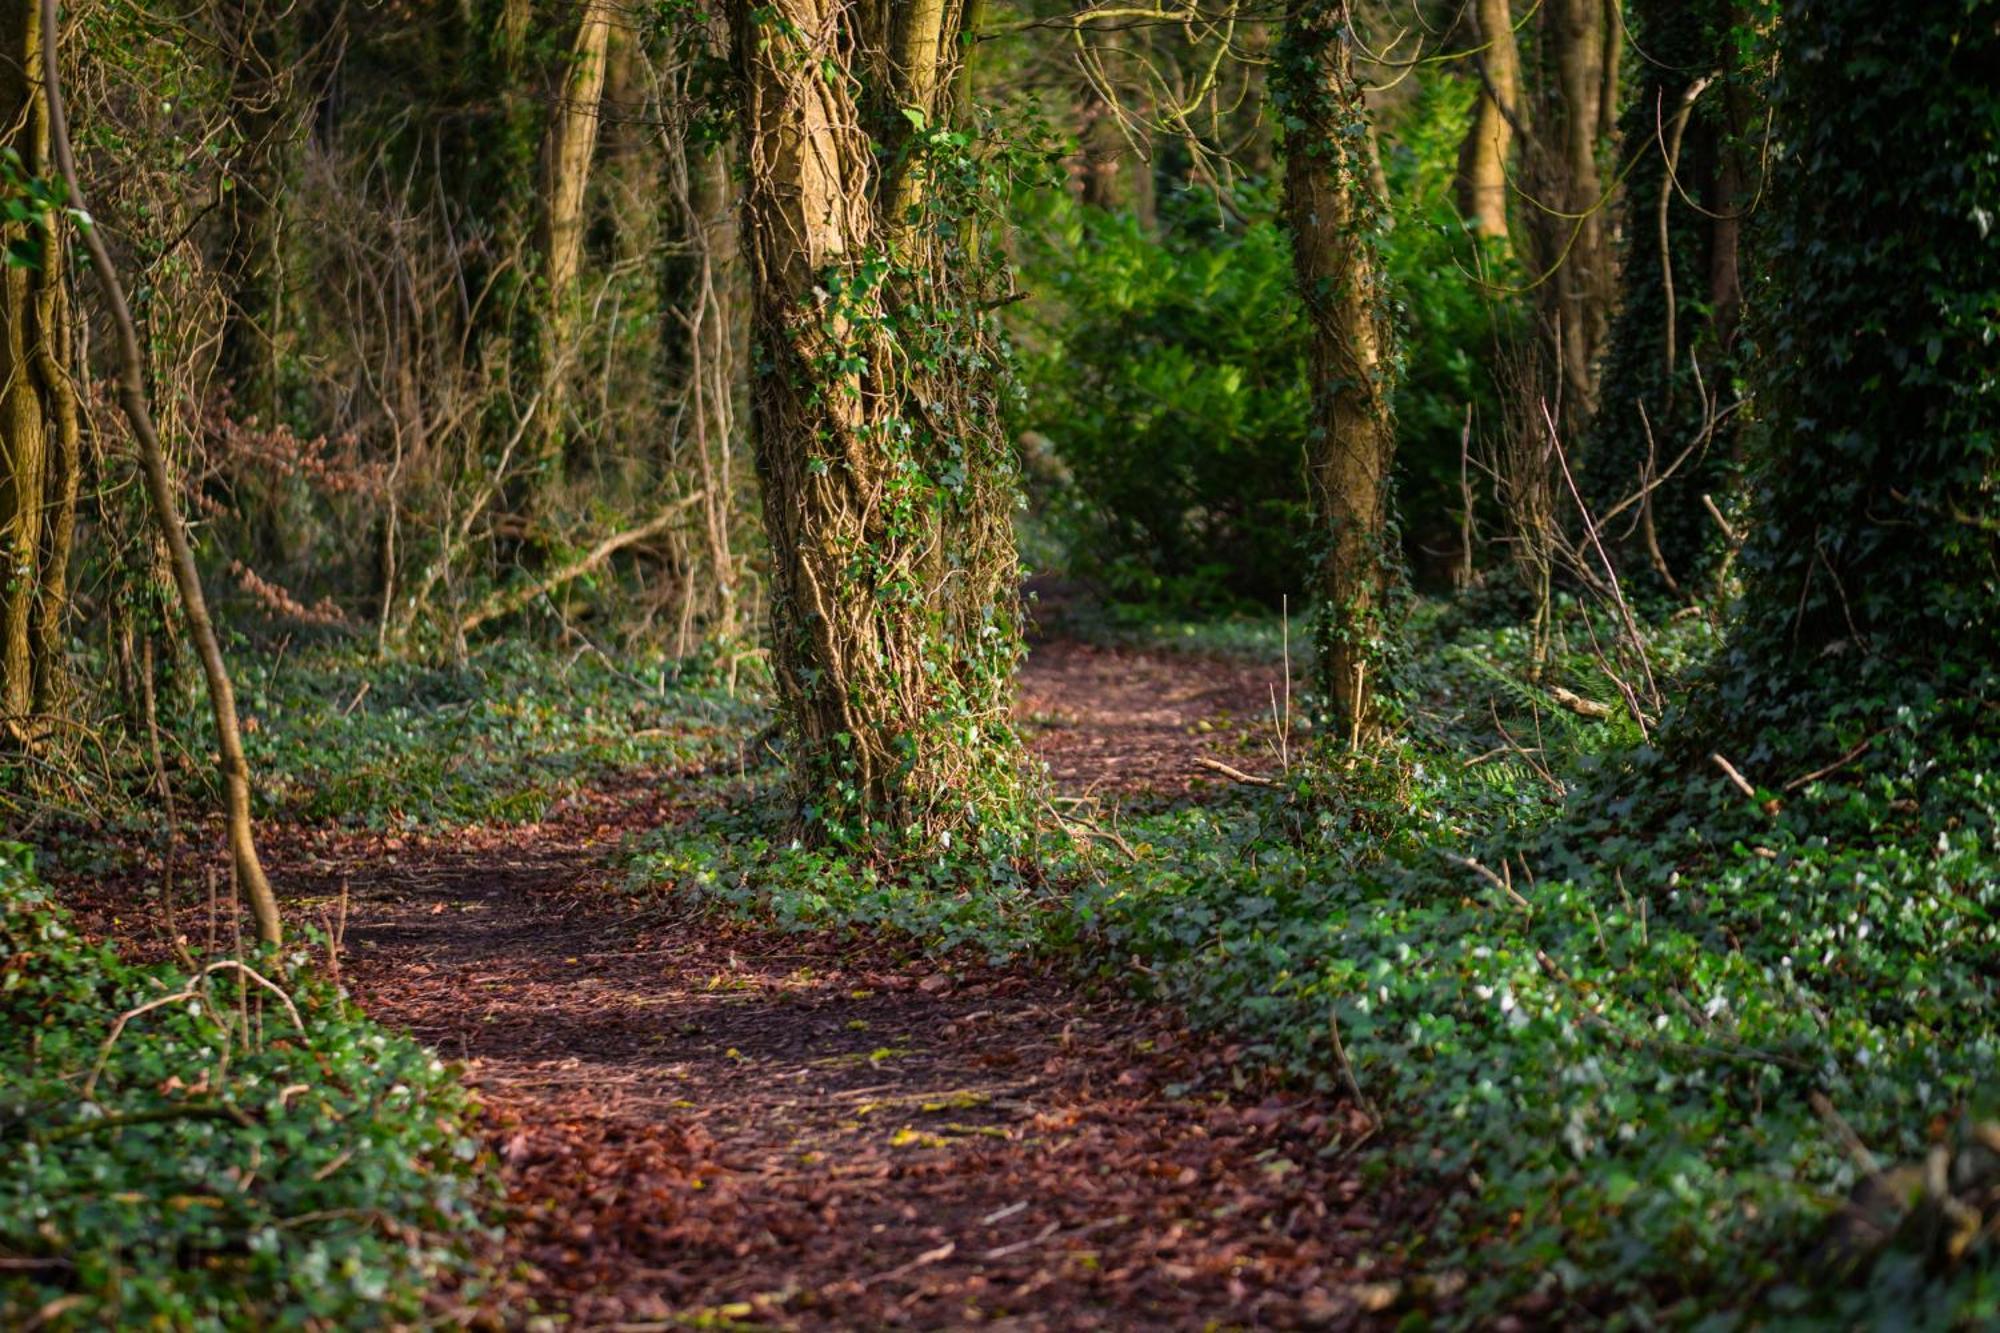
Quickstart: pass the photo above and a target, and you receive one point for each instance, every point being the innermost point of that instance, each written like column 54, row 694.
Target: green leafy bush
column 1169, row 374
column 236, row 1155
column 1175, row 393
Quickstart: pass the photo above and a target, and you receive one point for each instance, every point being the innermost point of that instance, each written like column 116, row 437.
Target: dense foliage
column 1879, row 355
column 236, row 1148
column 1651, row 925
column 1165, row 367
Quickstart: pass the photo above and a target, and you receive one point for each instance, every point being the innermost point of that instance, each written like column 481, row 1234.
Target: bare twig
column 1234, row 774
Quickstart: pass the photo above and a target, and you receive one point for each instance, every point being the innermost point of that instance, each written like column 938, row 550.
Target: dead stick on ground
column 1490, row 878
column 1353, row 1084
column 1577, row 704
column 1234, row 774
column 507, row 603
column 1740, row 782
column 166, row 511
column 1833, row 767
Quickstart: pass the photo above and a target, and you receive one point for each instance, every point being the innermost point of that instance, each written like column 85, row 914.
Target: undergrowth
column 504, row 736
column 1642, row 1022
column 231, row 1149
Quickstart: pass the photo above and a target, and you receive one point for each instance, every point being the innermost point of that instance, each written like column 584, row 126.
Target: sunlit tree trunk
column 1336, row 216
column 38, row 415
column 887, row 482
column 1489, row 144
column 568, row 150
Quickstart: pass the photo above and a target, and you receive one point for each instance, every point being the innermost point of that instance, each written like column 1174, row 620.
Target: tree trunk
column 888, row 483
column 1336, row 218
column 570, row 146
column 1873, row 572
column 704, row 353
column 1489, row 144
column 1569, row 217
column 262, row 116
column 39, row 458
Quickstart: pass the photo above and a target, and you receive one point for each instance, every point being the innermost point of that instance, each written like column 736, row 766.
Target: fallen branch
column 1579, row 705
column 190, row 993
column 508, row 602
column 1833, row 767
column 1490, row 878
column 1234, row 774
column 1741, row 783
column 191, row 1111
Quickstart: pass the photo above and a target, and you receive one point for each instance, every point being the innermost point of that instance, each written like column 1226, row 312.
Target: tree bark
column 1568, row 230
column 887, row 482
column 1336, row 216
column 1489, row 144
column 38, row 415
column 261, row 115
column 570, row 146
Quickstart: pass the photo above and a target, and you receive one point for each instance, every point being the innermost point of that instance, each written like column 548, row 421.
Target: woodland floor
column 705, row 1125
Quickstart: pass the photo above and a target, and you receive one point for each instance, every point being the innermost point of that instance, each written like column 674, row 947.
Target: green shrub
column 1168, row 371
column 235, row 1157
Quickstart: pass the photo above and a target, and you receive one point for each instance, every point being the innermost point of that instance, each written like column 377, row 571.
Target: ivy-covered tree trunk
column 39, row 457
column 1336, row 218
column 1664, row 436
column 1876, row 559
column 888, row 484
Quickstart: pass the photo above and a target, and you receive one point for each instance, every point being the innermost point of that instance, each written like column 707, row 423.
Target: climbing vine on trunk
column 1336, row 217
column 39, row 457
column 888, row 482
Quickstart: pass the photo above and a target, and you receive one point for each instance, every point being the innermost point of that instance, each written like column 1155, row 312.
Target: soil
column 701, row 1124
column 1119, row 725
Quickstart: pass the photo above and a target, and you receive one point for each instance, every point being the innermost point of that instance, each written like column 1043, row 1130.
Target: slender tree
column 569, row 145
column 1485, row 156
column 888, row 485
column 258, row 44
column 39, row 459
column 1336, row 216
column 247, row 866
column 1568, row 212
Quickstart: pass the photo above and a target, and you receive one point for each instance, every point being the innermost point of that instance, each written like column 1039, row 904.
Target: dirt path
column 1116, row 724
column 705, row 1126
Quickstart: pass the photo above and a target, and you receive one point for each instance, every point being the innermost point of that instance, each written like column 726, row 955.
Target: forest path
column 704, row 1125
